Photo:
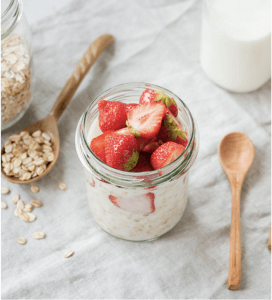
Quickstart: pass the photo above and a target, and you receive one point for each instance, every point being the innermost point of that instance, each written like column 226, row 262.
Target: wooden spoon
column 236, row 154
column 49, row 123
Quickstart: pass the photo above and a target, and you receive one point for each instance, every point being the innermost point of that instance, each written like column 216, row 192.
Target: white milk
column 236, row 43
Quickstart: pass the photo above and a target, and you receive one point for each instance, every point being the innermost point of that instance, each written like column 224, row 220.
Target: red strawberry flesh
column 98, row 145
column 143, row 204
column 151, row 96
column 145, row 120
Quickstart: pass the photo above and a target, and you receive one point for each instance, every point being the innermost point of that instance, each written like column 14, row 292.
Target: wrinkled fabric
column 156, row 42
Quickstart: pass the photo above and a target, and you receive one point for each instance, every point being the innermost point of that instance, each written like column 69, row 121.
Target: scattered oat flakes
column 16, row 213
column 35, row 189
column 32, row 217
column 3, row 205
column 62, row 186
column 28, row 207
column 4, row 190
column 38, row 235
column 15, row 199
column 20, row 204
column 24, row 216
column 21, row 240
column 69, row 253
column 36, row 203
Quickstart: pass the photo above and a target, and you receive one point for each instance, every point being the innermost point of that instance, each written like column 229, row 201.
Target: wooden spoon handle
column 269, row 241
column 234, row 278
column 82, row 68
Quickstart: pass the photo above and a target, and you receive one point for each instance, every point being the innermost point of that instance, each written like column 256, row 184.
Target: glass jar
column 236, row 43
column 136, row 206
column 16, row 66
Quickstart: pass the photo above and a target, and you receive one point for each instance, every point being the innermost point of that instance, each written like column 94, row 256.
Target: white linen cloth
column 156, row 42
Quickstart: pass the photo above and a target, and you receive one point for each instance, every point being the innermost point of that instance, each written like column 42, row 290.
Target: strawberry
column 171, row 130
column 153, row 145
column 145, row 120
column 130, row 106
column 141, row 142
column 98, row 145
column 143, row 164
column 165, row 154
column 150, row 96
column 143, row 205
column 112, row 115
column 121, row 151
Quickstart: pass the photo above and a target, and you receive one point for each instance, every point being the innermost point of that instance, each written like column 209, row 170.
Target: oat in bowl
column 137, row 143
column 27, row 156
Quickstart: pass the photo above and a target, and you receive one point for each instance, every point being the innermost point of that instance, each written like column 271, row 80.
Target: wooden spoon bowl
column 49, row 123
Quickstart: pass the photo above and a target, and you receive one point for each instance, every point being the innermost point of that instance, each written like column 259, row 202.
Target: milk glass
column 236, row 43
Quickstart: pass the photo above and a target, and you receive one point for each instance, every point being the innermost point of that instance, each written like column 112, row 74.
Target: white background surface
column 157, row 42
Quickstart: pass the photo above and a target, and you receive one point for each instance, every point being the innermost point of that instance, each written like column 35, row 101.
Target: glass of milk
column 236, row 43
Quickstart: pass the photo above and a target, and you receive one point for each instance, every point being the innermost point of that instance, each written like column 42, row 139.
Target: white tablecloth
column 157, row 42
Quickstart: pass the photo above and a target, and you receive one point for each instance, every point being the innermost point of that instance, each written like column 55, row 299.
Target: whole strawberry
column 141, row 142
column 121, row 151
column 112, row 115
column 171, row 130
column 150, row 96
column 165, row 154
column 98, row 145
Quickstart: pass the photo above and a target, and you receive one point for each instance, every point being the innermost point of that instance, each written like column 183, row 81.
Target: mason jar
column 16, row 67
column 128, row 205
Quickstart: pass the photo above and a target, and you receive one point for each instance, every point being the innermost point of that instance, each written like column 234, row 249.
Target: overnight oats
column 137, row 143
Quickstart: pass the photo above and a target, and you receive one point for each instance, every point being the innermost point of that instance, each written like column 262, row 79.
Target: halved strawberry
column 112, row 115
column 121, row 151
column 153, row 145
column 143, row 164
column 130, row 106
column 98, row 145
column 171, row 130
column 143, row 205
column 166, row 154
column 150, row 96
column 141, row 142
column 145, row 120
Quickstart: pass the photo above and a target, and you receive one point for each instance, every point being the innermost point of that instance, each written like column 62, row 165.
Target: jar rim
column 185, row 160
column 13, row 10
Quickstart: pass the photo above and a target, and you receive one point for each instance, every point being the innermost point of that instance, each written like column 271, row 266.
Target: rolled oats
column 4, row 190
column 3, row 205
column 35, row 189
column 69, row 253
column 21, row 240
column 28, row 207
column 31, row 216
column 15, row 199
column 24, row 216
column 36, row 203
column 38, row 235
column 27, row 156
column 62, row 186
column 15, row 77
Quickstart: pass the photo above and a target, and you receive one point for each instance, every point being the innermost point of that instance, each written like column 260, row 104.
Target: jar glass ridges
column 136, row 206
column 16, row 66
